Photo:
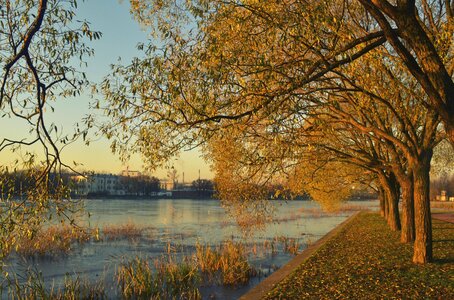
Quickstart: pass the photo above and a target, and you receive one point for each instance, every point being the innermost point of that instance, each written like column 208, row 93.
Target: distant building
column 98, row 184
column 79, row 185
column 167, row 184
column 106, row 183
column 130, row 173
column 133, row 185
column 183, row 186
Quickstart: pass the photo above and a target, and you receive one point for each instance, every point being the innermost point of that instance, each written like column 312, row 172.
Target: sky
column 121, row 34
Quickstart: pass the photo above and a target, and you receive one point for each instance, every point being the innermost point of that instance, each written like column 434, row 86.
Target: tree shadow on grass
column 443, row 261
column 443, row 241
column 446, row 225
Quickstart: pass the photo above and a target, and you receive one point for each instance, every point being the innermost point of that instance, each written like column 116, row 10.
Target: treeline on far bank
column 18, row 183
column 146, row 187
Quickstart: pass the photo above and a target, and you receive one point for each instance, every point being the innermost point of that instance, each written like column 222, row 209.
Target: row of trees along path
column 313, row 95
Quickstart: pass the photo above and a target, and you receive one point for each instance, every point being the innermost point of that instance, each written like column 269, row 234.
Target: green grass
column 367, row 261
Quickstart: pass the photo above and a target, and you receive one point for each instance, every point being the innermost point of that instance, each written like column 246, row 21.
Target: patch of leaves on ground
column 367, row 261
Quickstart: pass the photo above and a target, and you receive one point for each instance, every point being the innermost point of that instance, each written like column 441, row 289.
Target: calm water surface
column 184, row 223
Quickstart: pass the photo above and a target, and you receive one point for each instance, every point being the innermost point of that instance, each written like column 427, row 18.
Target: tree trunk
column 393, row 217
column 381, row 198
column 422, row 252
column 386, row 205
column 391, row 188
column 408, row 216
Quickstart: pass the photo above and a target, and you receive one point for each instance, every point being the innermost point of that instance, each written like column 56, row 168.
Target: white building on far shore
column 98, row 183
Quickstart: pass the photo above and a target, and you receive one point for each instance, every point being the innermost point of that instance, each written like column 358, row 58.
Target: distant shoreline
column 195, row 195
column 189, row 197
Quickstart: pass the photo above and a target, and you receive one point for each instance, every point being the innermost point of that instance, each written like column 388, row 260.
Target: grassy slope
column 366, row 261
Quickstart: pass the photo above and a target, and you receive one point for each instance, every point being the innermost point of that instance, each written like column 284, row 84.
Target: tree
column 241, row 178
column 334, row 33
column 140, row 185
column 40, row 46
column 204, row 80
column 421, row 34
column 329, row 182
column 383, row 112
column 203, row 185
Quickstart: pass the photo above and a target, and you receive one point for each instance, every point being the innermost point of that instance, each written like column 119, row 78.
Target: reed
column 172, row 278
column 349, row 207
column 135, row 278
column 271, row 245
column 165, row 280
column 207, row 259
column 291, row 217
column 51, row 241
column 290, row 245
column 129, row 231
column 234, row 265
column 315, row 212
column 228, row 263
column 73, row 288
column 78, row 288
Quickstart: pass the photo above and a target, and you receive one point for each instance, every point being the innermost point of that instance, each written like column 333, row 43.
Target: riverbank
column 365, row 260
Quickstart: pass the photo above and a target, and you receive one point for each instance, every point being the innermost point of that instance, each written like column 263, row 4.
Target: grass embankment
column 366, row 261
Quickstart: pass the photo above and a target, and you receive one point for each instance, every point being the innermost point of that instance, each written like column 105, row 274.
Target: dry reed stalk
column 123, row 231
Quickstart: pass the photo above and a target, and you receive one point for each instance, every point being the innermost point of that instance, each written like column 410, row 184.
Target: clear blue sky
column 120, row 37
